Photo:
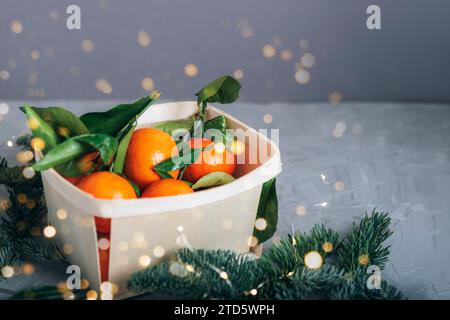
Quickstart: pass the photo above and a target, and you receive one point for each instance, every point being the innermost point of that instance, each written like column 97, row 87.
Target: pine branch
column 280, row 273
column 364, row 246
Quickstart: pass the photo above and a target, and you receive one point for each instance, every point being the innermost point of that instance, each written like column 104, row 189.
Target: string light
column 147, row 84
column 7, row 271
column 339, row 186
column 191, row 70
column 144, row 260
column 335, row 97
column 327, row 247
column 35, row 55
column 16, row 26
column 143, row 38
column 300, row 210
column 61, row 214
column 269, row 51
column 158, row 251
column 103, row 85
column 103, row 244
column 313, row 260
column 261, row 224
column 267, row 118
column 253, row 292
column 363, row 259
column 238, row 74
column 308, row 60
column 4, row 74
column 87, row 45
column 302, row 76
column 49, row 231
column 223, row 275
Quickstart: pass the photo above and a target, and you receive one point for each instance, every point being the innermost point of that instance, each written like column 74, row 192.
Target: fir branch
column 364, row 245
column 280, row 273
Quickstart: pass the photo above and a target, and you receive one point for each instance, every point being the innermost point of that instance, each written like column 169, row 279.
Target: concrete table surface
column 338, row 162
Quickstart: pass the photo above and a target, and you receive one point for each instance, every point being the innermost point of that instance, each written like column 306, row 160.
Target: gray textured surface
column 395, row 157
column 406, row 60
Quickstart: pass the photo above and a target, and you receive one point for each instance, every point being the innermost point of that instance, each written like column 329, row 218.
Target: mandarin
column 148, row 147
column 210, row 160
column 166, row 187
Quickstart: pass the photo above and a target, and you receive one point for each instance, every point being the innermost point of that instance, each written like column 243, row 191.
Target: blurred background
column 291, row 50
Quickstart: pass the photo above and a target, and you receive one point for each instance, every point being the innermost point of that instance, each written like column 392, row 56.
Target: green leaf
column 217, row 123
column 188, row 183
column 180, row 161
column 40, row 128
column 172, row 127
column 119, row 117
column 267, row 210
column 63, row 121
column 163, row 174
column 122, row 151
column 75, row 147
column 222, row 90
column 213, row 179
column 48, row 293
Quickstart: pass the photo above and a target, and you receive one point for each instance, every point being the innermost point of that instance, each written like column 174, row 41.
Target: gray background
column 407, row 60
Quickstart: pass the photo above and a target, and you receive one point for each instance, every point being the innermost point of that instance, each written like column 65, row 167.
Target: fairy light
column 68, row 248
column 158, row 251
column 308, row 60
column 238, row 74
column 313, row 260
column 91, row 295
column 253, row 292
column 28, row 172
column 7, row 271
column 22, row 198
column 286, row 55
column 261, row 224
column 335, row 98
column 223, row 275
column 35, row 54
column 24, row 156
column 267, row 118
column 104, row 86
column 4, row 107
column 37, row 144
column 219, row 147
column 30, row 204
column 269, row 51
column 139, row 236
column 147, row 84
column 290, row 273
column 339, row 186
column 300, row 210
column 177, row 269
column 180, row 228
column 252, row 241
column 61, row 214
column 144, row 260
column 107, row 290
column 103, row 244
column 87, row 45
column 16, row 26
column 191, row 70
column 9, row 143
column 4, row 74
column 363, row 259
column 322, row 204
column 341, row 126
column 302, row 76
column 143, row 38
column 246, row 29
column 189, row 268
column 49, row 232
column 327, row 247
column 27, row 269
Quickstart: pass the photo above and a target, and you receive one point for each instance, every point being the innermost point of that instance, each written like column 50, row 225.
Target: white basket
column 218, row 218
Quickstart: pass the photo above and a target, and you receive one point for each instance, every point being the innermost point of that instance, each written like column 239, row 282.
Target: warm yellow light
column 147, row 84
column 269, row 51
column 327, row 247
column 49, row 231
column 313, row 260
column 104, row 86
column 261, row 224
column 191, row 70
column 16, row 26
column 144, row 260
